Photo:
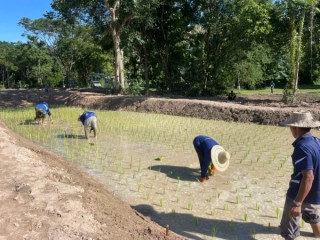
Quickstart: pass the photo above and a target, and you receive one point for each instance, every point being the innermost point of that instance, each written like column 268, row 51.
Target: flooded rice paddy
column 148, row 161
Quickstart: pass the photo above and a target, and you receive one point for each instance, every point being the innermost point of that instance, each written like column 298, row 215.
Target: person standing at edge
column 272, row 86
column 89, row 121
column 211, row 156
column 304, row 188
column 42, row 110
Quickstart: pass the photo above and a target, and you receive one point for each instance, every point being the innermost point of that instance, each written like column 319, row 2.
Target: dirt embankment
column 262, row 109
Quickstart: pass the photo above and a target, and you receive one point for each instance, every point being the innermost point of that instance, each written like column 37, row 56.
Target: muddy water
column 156, row 171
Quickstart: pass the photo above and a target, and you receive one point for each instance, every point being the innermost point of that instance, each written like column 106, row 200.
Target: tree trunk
column 116, row 30
column 146, row 69
column 298, row 54
column 118, row 64
column 311, row 39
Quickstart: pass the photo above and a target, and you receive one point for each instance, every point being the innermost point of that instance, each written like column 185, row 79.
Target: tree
column 296, row 11
column 7, row 65
column 68, row 43
column 228, row 29
column 114, row 14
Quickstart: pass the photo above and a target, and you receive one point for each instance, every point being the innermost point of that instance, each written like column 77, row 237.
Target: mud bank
column 261, row 109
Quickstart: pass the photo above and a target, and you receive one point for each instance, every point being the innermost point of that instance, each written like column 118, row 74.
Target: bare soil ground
column 45, row 197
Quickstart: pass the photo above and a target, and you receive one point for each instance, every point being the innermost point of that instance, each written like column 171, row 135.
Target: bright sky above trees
column 11, row 11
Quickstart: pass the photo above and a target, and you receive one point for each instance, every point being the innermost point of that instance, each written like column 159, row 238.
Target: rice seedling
column 161, row 202
column 212, row 211
column 225, row 207
column 253, row 234
column 214, row 231
column 258, row 206
column 278, row 213
column 237, row 199
column 173, row 212
column 139, row 187
column 231, row 226
column 197, row 221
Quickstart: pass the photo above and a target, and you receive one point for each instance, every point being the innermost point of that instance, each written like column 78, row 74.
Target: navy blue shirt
column 306, row 156
column 86, row 115
column 204, row 144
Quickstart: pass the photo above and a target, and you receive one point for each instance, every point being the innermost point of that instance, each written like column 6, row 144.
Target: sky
column 12, row 11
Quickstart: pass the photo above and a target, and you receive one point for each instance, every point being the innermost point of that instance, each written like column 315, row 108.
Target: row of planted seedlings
column 149, row 159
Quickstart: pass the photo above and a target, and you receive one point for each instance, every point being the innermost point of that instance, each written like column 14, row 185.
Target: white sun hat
column 301, row 119
column 220, row 158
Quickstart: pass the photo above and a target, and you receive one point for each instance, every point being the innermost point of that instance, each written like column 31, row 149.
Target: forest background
column 184, row 47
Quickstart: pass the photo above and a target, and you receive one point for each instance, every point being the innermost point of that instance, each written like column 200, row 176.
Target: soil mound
column 262, row 109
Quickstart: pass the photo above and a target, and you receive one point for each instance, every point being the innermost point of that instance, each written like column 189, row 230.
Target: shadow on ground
column 177, row 172
column 189, row 226
column 71, row 136
column 29, row 122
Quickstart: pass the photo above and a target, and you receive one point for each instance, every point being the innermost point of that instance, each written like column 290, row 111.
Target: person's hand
column 295, row 211
column 211, row 170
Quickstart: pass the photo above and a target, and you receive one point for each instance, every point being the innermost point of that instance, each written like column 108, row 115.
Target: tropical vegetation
column 190, row 48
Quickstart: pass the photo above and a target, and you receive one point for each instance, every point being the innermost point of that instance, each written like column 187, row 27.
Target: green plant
column 278, row 213
column 214, row 231
column 161, row 202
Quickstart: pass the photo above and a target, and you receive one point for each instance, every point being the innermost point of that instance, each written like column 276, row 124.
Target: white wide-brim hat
column 301, row 119
column 220, row 158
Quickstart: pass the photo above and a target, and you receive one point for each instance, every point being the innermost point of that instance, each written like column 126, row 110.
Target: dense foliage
column 190, row 48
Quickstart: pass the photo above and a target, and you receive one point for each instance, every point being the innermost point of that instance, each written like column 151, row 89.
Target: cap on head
column 301, row 119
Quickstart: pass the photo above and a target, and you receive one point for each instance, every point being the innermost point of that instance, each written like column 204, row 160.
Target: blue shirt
column 86, row 115
column 306, row 156
column 204, row 144
column 44, row 106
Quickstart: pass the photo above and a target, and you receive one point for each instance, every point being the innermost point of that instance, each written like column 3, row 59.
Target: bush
column 134, row 87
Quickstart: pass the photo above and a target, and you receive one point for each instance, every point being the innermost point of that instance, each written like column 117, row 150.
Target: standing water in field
column 148, row 160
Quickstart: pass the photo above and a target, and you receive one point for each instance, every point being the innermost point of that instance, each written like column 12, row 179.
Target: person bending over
column 211, row 156
column 89, row 121
column 42, row 110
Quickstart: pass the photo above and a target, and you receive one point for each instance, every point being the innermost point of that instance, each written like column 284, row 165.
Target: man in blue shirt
column 89, row 121
column 42, row 110
column 211, row 156
column 304, row 188
column 272, row 85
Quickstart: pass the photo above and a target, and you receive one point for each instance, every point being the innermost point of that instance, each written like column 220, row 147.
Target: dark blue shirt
column 204, row 144
column 306, row 156
column 86, row 115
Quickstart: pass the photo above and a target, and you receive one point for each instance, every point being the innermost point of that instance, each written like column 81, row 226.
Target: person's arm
column 304, row 189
